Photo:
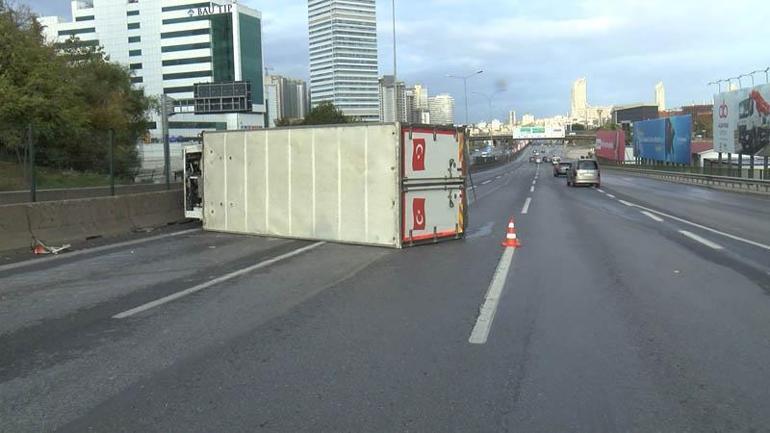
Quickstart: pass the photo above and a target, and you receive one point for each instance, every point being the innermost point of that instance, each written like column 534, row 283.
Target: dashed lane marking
column 704, row 241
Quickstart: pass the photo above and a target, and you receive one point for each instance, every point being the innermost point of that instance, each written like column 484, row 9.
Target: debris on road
column 41, row 248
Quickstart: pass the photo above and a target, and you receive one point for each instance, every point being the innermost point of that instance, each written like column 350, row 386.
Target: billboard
column 611, row 144
column 537, row 132
column 225, row 97
column 742, row 121
column 666, row 140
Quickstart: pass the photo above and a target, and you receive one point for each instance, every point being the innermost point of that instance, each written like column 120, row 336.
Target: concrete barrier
column 57, row 222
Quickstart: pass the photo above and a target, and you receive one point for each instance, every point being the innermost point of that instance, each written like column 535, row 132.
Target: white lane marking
column 709, row 229
column 525, row 209
column 532, row 188
column 626, row 203
column 600, row 190
column 704, row 241
column 486, row 182
column 610, row 195
column 534, row 182
column 223, row 278
column 498, row 177
column 94, row 250
column 487, row 312
column 653, row 216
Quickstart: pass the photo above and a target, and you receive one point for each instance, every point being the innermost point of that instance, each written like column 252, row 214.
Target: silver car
column 584, row 172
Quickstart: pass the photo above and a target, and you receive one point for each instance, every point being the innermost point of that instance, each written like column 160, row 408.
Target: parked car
column 584, row 172
column 561, row 169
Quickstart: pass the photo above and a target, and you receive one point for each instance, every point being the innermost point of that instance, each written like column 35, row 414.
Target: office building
column 628, row 114
column 441, row 109
column 512, row 118
column 343, row 56
column 387, row 88
column 579, row 98
column 660, row 96
column 527, row 119
column 286, row 98
column 409, row 105
column 172, row 45
column 581, row 111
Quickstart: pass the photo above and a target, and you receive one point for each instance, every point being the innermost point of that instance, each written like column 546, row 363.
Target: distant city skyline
column 622, row 49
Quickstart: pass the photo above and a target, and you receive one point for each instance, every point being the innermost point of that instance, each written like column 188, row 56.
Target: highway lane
column 746, row 215
column 608, row 321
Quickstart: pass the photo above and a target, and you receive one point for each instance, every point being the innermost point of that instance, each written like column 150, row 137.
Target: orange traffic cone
column 511, row 241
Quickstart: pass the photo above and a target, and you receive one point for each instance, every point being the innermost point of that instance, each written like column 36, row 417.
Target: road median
column 66, row 221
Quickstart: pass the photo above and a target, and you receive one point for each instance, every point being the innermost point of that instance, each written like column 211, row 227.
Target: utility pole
column 166, row 111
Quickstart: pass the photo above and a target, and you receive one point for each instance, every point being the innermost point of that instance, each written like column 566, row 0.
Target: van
column 584, row 172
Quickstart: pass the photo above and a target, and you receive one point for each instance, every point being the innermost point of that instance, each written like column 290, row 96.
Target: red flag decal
column 418, row 154
column 418, row 213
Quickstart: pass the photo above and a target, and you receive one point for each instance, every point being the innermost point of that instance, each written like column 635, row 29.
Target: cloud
column 538, row 48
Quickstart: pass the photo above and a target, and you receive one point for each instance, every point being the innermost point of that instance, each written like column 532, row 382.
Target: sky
column 532, row 51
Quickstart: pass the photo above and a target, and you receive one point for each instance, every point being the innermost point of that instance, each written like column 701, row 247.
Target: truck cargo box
column 374, row 184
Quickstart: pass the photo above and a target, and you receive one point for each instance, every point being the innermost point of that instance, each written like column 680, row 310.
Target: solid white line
column 626, row 203
column 705, row 242
column 531, row 189
column 65, row 255
column 486, row 182
column 610, row 196
column 653, row 216
column 487, row 312
column 223, row 278
column 525, row 209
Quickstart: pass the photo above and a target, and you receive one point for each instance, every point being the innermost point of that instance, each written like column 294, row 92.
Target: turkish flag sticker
column 418, row 214
column 418, row 154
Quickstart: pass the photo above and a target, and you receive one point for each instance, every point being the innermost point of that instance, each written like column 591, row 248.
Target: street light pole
column 465, row 89
column 395, row 69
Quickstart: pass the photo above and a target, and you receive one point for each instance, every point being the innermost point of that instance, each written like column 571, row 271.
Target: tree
column 325, row 113
column 70, row 94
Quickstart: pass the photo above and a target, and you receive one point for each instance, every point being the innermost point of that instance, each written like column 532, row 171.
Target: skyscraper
column 343, row 56
column 286, row 98
column 387, row 87
column 660, row 96
column 442, row 109
column 579, row 99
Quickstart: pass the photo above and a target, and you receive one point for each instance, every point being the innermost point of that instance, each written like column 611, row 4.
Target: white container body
column 328, row 183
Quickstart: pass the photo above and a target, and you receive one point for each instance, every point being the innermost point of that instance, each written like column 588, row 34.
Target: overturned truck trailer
column 390, row 184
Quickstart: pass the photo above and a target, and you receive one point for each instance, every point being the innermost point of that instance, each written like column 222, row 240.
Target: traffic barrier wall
column 57, row 222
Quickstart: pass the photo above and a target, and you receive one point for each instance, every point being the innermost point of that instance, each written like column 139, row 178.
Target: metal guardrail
column 727, row 182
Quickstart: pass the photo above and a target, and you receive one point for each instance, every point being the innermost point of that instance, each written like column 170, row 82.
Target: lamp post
column 465, row 88
column 395, row 69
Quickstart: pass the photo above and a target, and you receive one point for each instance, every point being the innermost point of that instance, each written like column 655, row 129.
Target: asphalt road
column 642, row 306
